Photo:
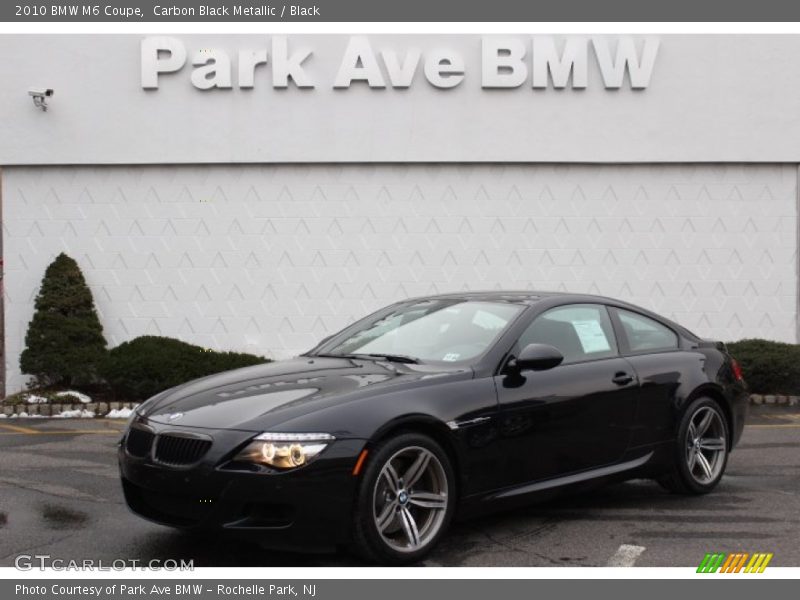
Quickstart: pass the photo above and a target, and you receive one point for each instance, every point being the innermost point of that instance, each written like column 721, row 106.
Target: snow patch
column 3, row 416
column 34, row 399
column 83, row 398
column 122, row 413
column 74, row 414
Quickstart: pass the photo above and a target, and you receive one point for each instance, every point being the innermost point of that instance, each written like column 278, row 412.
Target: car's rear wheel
column 701, row 450
column 405, row 500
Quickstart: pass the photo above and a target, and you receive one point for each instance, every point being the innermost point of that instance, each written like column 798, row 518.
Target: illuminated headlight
column 284, row 450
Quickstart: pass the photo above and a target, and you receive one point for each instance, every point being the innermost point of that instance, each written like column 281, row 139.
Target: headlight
column 284, row 450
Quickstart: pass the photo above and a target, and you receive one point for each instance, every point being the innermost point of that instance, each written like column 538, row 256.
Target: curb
column 777, row 400
column 100, row 409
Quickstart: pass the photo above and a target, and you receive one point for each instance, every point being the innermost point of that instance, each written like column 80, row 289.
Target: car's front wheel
column 701, row 450
column 405, row 499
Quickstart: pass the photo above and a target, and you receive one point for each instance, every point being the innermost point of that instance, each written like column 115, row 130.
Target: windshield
column 435, row 330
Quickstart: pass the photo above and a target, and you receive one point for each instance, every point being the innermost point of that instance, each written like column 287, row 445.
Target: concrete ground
column 60, row 495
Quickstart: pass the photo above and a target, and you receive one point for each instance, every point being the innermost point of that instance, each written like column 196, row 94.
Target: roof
column 511, row 296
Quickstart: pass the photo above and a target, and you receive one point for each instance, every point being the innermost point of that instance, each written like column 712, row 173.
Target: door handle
column 622, row 378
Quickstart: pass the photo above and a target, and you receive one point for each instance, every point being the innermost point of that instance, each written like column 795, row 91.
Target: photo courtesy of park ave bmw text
column 400, row 299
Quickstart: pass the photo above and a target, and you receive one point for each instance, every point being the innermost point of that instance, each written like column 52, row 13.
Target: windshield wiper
column 398, row 358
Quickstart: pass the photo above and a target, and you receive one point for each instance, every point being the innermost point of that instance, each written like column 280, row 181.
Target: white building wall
column 711, row 98
column 269, row 259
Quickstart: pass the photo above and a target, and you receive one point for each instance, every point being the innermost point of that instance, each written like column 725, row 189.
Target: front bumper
column 305, row 509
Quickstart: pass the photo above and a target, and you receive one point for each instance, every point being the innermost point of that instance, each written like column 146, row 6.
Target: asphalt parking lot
column 60, row 495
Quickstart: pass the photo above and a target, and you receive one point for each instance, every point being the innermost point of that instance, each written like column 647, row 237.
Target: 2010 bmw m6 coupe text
column 432, row 408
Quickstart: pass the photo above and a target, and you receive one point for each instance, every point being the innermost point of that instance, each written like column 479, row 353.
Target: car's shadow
column 515, row 530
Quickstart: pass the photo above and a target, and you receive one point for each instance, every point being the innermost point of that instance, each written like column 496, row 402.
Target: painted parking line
column 625, row 556
column 776, row 426
column 788, row 417
column 18, row 429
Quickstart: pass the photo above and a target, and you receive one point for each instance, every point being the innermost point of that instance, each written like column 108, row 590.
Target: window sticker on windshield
column 451, row 356
column 591, row 335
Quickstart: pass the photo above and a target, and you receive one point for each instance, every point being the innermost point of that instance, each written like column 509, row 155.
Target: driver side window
column 580, row 332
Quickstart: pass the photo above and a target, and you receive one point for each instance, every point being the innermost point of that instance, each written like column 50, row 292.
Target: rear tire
column 405, row 501
column 701, row 449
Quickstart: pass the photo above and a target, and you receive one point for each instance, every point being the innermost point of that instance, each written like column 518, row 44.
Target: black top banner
column 145, row 11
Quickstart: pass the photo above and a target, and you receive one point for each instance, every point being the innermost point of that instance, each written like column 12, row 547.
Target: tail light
column 737, row 370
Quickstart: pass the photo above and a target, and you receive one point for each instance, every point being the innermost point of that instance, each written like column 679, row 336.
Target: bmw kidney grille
column 179, row 450
column 169, row 449
column 138, row 442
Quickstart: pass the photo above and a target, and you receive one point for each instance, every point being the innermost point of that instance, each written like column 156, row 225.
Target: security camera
column 40, row 96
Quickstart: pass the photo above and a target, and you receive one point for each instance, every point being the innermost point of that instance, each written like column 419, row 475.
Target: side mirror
column 537, row 357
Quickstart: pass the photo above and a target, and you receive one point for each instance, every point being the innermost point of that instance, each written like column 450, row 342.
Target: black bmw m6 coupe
column 432, row 408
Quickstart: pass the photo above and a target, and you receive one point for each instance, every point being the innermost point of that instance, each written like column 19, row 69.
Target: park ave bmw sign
column 537, row 62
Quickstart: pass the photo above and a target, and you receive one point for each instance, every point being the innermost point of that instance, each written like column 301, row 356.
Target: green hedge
column 145, row 366
column 769, row 367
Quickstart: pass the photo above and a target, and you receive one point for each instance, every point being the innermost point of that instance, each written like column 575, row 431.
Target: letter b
column 502, row 63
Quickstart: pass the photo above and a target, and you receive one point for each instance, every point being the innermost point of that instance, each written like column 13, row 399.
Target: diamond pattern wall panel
column 270, row 259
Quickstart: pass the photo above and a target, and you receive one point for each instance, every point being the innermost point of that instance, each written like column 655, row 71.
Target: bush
column 147, row 365
column 45, row 397
column 64, row 344
column 18, row 398
column 769, row 367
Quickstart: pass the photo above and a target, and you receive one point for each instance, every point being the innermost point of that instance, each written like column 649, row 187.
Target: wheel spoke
column 715, row 444
column 417, row 468
column 692, row 432
column 428, row 500
column 391, row 477
column 692, row 459
column 409, row 526
column 703, row 461
column 387, row 515
column 705, row 422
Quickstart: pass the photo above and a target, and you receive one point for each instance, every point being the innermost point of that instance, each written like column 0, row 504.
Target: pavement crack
column 28, row 549
column 546, row 526
column 51, row 490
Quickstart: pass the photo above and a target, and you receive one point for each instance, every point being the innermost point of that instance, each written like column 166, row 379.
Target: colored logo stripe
column 711, row 562
column 734, row 563
column 758, row 563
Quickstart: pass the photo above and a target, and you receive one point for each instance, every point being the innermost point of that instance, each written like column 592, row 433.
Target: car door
column 575, row 416
column 653, row 350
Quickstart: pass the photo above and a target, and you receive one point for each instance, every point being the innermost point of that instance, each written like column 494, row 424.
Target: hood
column 254, row 398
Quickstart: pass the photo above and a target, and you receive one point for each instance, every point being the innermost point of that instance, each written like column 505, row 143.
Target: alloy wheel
column 705, row 445
column 410, row 499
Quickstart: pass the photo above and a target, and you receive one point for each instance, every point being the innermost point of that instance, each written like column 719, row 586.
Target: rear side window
column 580, row 331
column 645, row 334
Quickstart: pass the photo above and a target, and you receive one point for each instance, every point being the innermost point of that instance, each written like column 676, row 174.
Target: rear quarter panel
column 669, row 381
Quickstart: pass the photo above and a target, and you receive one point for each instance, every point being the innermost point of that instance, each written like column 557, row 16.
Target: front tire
column 405, row 500
column 701, row 449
